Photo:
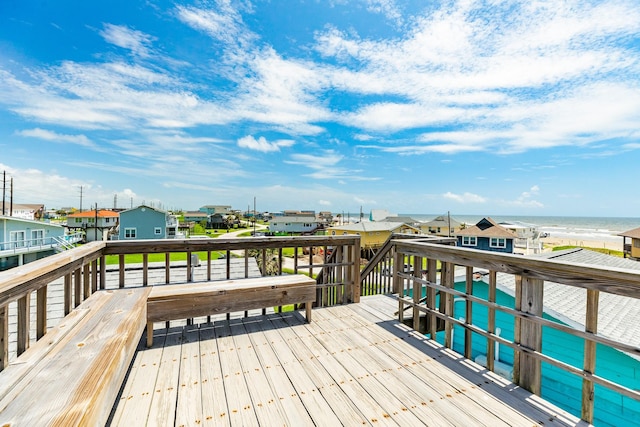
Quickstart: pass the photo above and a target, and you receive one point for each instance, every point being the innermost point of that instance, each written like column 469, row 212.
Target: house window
column 17, row 239
column 92, row 220
column 129, row 233
column 157, row 231
column 37, row 236
column 498, row 242
column 636, row 243
column 107, row 219
column 78, row 220
column 469, row 241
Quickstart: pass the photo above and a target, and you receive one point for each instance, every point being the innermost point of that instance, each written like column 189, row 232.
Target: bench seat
column 72, row 376
column 184, row 301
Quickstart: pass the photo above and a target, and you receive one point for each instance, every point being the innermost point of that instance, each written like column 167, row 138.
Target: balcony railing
column 426, row 286
column 421, row 275
column 335, row 259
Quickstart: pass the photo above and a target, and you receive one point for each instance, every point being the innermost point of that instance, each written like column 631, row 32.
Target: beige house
column 442, row 225
column 631, row 250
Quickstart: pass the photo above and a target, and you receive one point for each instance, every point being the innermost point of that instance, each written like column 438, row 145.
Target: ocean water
column 577, row 228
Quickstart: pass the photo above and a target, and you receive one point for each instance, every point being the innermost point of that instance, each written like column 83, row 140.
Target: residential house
column 403, row 219
column 373, row 234
column 25, row 240
column 442, row 225
column 617, row 319
column 527, row 236
column 631, row 250
column 296, row 223
column 221, row 221
column 214, row 209
column 95, row 224
column 25, row 211
column 144, row 222
column 487, row 235
column 195, row 216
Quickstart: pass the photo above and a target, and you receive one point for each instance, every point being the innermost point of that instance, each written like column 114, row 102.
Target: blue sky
column 474, row 107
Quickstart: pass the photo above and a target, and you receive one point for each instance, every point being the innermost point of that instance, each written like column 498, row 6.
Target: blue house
column 145, row 222
column 618, row 319
column 487, row 235
column 24, row 240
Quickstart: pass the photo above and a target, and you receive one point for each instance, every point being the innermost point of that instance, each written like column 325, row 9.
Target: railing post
column 77, row 287
column 397, row 283
column 121, row 270
column 491, row 320
column 167, row 268
column 468, row 316
column 103, row 272
column 86, row 281
column 67, row 294
column 4, row 337
column 431, row 296
column 447, row 301
column 94, row 275
column 41, row 312
column 145, row 269
column 591, row 325
column 417, row 291
column 531, row 333
column 357, row 291
column 24, row 322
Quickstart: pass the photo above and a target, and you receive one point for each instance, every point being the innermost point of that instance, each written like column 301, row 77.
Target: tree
column 271, row 261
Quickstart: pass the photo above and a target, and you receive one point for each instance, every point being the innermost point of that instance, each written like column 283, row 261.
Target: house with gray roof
column 487, row 235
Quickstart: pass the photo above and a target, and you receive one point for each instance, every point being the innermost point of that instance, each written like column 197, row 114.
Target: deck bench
column 184, row 301
column 72, row 375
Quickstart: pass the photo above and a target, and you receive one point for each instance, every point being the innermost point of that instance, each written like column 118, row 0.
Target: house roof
column 145, row 207
column 296, row 218
column 634, row 234
column 487, row 227
column 403, row 219
column 618, row 316
column 102, row 213
column 26, row 206
column 368, row 226
column 442, row 221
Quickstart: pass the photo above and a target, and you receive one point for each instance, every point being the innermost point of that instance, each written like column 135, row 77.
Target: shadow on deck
column 353, row 365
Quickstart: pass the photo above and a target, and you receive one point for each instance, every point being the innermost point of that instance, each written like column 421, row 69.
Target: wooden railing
column 377, row 275
column 431, row 273
column 77, row 273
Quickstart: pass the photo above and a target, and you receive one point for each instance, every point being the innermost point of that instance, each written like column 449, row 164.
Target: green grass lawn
column 174, row 256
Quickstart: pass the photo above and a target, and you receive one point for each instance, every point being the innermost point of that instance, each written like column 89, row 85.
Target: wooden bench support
column 73, row 375
column 184, row 301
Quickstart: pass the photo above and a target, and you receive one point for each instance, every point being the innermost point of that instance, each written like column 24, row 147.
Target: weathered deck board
column 354, row 365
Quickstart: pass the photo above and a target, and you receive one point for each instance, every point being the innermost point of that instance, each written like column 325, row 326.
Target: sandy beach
column 550, row 242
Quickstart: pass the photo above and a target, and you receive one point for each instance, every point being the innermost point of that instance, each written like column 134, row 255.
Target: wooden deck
column 353, row 365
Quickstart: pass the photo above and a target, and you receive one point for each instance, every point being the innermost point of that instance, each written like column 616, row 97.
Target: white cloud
column 324, row 202
column 464, row 198
column 261, row 144
column 48, row 135
column 136, row 41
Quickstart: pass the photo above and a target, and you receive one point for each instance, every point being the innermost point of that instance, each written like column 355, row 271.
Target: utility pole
column 11, row 199
column 81, row 198
column 95, row 224
column 4, row 188
column 254, row 216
